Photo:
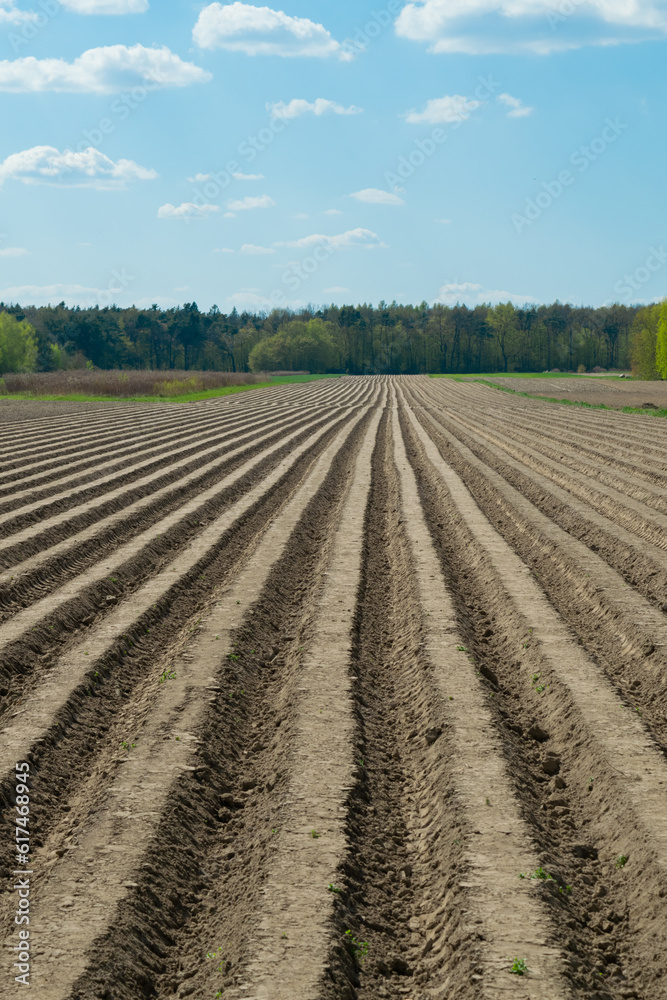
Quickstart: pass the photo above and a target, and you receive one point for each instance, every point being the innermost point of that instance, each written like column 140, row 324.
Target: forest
column 392, row 339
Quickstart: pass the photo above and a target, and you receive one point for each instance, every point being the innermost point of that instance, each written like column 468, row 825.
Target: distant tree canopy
column 355, row 339
column 18, row 345
column 297, row 346
column 649, row 342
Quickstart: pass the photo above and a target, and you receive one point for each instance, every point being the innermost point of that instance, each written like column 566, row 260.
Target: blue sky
column 438, row 150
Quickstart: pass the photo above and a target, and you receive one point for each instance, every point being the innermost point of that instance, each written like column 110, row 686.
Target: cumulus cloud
column 106, row 6
column 363, row 238
column 255, row 251
column 375, row 196
column 513, row 26
column 444, row 222
column 517, row 108
column 248, row 177
column 105, row 70
column 249, row 204
column 224, row 250
column 187, row 210
column 89, row 168
column 251, row 301
column 52, row 294
column 469, row 294
column 443, row 110
column 10, row 14
column 333, row 211
column 240, row 27
column 13, row 252
column 336, row 290
column 299, row 106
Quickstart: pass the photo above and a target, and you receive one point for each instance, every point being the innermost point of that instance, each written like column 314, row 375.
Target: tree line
column 388, row 338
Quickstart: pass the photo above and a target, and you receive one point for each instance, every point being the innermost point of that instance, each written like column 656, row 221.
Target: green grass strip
column 529, row 375
column 576, row 402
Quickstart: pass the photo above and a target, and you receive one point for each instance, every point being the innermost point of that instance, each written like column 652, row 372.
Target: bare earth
column 14, row 410
column 338, row 691
column 614, row 392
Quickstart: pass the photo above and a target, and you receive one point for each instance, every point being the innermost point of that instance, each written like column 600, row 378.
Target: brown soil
column 312, row 683
column 14, row 410
column 614, row 392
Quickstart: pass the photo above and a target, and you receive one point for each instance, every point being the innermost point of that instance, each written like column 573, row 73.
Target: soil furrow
column 613, row 777
column 126, row 818
column 25, row 541
column 44, row 626
column 37, row 575
column 630, row 637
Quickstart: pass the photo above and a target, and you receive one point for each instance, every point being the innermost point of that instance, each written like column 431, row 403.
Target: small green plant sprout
column 128, row 746
column 233, row 656
column 567, row 889
column 622, row 861
column 535, row 678
column 167, row 675
column 315, row 835
column 284, row 935
column 519, row 967
column 539, row 873
column 462, row 649
column 488, row 801
column 333, row 888
column 358, row 949
column 218, row 956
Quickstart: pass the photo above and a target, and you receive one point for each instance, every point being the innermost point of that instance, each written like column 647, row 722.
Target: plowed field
column 344, row 690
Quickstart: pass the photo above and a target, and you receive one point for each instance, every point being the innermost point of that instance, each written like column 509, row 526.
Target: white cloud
column 89, row 168
column 518, row 108
column 250, row 301
column 514, row 26
column 333, row 211
column 444, row 222
column 52, row 294
column 301, row 216
column 106, row 6
column 440, row 110
column 252, row 250
column 336, row 290
column 186, row 211
column 202, row 178
column 299, row 106
column 249, row 203
column 105, row 70
column 224, row 250
column 10, row 14
column 375, row 196
column 344, row 241
column 240, row 27
column 469, row 294
column 14, row 252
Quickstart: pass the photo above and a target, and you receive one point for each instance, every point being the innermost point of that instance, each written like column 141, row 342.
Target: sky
column 311, row 153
